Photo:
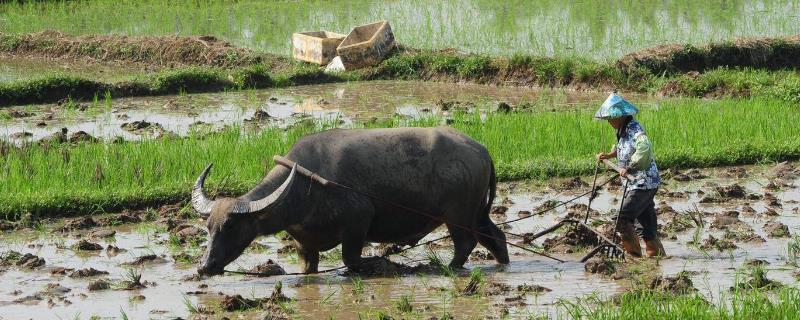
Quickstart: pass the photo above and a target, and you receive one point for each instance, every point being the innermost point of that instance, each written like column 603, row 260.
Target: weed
column 190, row 306
column 404, row 304
column 793, row 250
column 358, row 285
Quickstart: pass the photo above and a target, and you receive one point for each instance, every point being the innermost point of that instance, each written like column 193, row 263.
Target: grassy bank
column 189, row 80
column 743, row 68
column 755, row 304
column 424, row 66
column 48, row 180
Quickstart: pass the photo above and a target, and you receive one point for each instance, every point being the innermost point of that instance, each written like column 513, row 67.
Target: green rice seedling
column 793, row 250
column 358, row 285
column 436, row 261
column 190, row 306
column 476, row 282
column 685, row 132
column 404, row 304
column 550, row 27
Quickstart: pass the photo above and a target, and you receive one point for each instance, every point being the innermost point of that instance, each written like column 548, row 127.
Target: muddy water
column 333, row 294
column 348, row 102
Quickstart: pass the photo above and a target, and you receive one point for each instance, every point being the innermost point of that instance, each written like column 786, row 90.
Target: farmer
column 635, row 154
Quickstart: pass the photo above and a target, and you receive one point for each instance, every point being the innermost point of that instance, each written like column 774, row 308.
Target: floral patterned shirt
column 635, row 152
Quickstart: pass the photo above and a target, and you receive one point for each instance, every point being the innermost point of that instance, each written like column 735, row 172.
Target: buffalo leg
column 309, row 259
column 351, row 251
column 463, row 243
column 493, row 239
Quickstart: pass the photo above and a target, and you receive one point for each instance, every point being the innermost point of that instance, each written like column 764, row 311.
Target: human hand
column 602, row 155
column 623, row 172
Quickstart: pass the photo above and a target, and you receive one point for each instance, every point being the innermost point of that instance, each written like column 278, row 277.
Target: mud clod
column 287, row 249
column 535, row 289
column 15, row 113
column 681, row 283
column 380, row 266
column 10, row 258
column 524, row 214
column 757, row 279
column 146, row 259
column 783, row 170
column 239, row 303
column 79, row 224
column 259, row 116
column 88, row 272
column 30, row 261
column 21, row 135
column 187, row 232
column 601, row 265
column 114, row 250
column 143, row 127
column 743, row 236
column 547, row 205
column 693, row 174
column 81, row 136
column 56, row 289
column 268, row 269
column 574, row 183
column 102, row 233
column 124, row 217
column 776, row 230
column 735, row 191
column 100, row 284
column 498, row 210
column 729, row 220
column 481, row 255
column 570, row 241
column 719, row 244
column 755, row 263
column 85, row 245
column 60, row 271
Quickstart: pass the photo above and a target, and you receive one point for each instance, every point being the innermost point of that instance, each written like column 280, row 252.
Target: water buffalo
column 435, row 170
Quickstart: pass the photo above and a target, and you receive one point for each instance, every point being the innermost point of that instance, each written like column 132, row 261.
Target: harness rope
column 317, row 178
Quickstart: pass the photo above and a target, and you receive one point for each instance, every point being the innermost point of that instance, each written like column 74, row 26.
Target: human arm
column 610, row 155
column 642, row 155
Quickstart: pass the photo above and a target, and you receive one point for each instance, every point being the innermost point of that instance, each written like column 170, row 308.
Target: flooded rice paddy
column 587, row 28
column 341, row 102
column 741, row 205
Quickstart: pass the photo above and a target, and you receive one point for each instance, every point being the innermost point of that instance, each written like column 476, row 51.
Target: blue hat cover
column 615, row 107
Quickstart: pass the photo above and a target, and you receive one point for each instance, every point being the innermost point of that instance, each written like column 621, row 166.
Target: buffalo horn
column 201, row 203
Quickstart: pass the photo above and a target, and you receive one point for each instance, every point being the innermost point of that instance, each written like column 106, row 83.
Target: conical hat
column 615, row 107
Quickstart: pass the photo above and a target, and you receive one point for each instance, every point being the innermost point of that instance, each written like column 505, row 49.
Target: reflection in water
column 344, row 103
column 589, row 28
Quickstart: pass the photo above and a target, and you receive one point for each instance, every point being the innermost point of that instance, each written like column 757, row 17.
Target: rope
column 374, row 197
column 563, row 203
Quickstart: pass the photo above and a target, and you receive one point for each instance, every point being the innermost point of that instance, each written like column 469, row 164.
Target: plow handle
column 616, row 168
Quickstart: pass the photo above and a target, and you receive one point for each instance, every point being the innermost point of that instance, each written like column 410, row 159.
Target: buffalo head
column 232, row 222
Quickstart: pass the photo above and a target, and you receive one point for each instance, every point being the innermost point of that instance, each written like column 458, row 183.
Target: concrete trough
column 316, row 46
column 366, row 45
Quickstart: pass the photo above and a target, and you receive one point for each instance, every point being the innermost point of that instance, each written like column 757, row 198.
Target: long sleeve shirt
column 635, row 152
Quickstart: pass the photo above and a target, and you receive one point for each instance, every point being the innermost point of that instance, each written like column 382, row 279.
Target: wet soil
column 155, row 50
column 344, row 103
column 48, row 276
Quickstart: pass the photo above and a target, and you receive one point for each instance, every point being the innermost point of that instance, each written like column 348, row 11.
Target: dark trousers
column 639, row 206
